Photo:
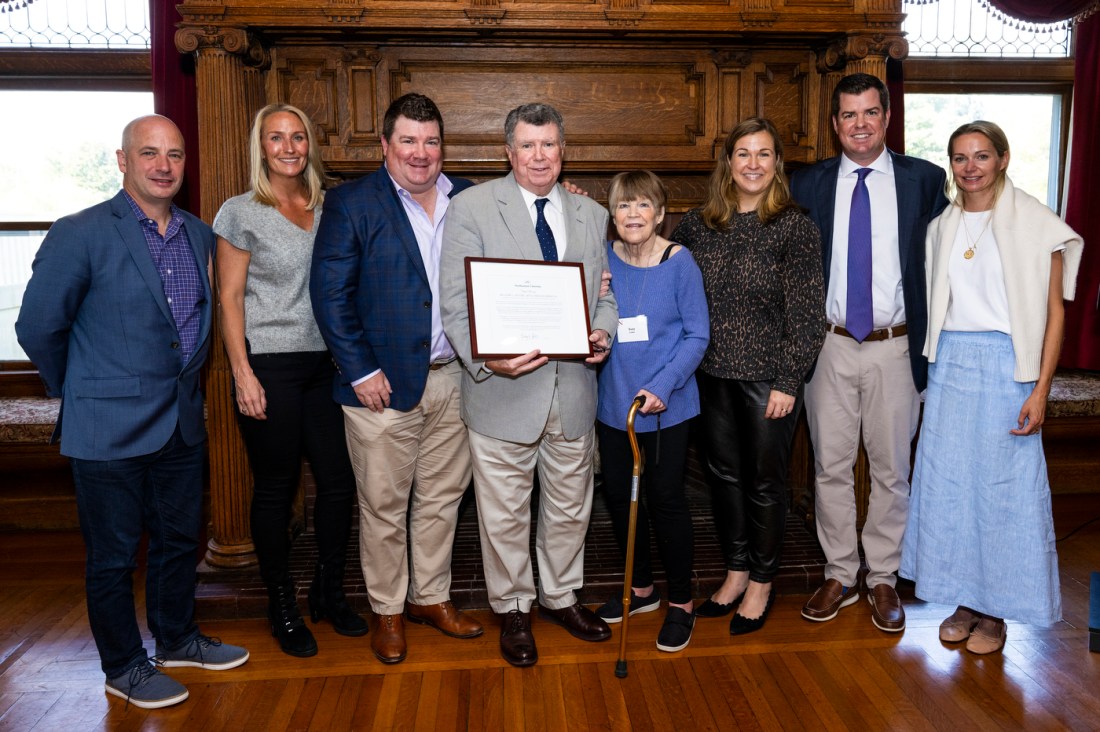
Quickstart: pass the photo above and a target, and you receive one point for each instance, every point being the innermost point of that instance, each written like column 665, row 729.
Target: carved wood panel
column 667, row 110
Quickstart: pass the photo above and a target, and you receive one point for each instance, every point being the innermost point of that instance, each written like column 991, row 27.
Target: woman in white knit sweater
column 980, row 534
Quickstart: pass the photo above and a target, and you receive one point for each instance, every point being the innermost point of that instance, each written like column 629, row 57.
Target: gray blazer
column 491, row 220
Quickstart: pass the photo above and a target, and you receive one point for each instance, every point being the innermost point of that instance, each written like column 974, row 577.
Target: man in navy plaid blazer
column 375, row 290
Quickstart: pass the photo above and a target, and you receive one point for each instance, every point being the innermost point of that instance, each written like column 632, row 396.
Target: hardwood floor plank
column 573, row 700
column 553, row 700
column 308, row 697
column 726, row 699
column 366, row 706
column 689, row 703
column 604, row 705
column 427, row 702
column 487, row 698
column 881, row 687
column 386, row 709
column 514, row 702
column 27, row 710
column 752, row 693
column 327, row 701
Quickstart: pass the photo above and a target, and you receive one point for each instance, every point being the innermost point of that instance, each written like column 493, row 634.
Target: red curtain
column 1082, row 345
column 1043, row 11
column 174, row 93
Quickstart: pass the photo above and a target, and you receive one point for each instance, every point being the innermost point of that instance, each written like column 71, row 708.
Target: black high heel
column 740, row 625
column 712, row 609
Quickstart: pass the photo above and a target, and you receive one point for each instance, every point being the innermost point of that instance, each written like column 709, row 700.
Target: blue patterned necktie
column 543, row 232
column 859, row 318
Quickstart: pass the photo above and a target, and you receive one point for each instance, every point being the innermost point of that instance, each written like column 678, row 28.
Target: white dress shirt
column 886, row 291
column 554, row 212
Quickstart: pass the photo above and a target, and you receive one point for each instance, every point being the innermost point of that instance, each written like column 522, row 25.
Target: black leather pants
column 747, row 458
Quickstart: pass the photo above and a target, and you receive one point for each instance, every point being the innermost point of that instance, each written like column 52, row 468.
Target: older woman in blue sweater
column 663, row 333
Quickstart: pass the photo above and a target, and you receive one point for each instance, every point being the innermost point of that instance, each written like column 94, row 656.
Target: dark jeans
column 665, row 504
column 747, row 458
column 116, row 501
column 301, row 417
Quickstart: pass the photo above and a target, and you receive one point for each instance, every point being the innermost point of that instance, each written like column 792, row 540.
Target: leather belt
column 882, row 334
column 436, row 365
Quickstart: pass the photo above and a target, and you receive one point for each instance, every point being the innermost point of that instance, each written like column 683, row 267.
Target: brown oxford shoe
column 886, row 611
column 517, row 642
column 579, row 621
column 387, row 638
column 445, row 618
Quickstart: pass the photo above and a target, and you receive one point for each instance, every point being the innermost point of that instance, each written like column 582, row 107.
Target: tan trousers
column 503, row 483
column 410, row 466
column 866, row 387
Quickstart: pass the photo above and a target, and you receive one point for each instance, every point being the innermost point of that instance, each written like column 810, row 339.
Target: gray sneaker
column 146, row 687
column 202, row 652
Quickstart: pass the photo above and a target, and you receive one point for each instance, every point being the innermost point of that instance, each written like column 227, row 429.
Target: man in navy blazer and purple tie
column 873, row 207
column 375, row 290
column 116, row 317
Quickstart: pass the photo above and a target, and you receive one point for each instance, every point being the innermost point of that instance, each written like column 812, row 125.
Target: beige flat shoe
column 987, row 637
column 959, row 625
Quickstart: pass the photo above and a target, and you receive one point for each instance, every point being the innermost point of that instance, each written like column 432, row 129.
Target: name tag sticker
column 633, row 329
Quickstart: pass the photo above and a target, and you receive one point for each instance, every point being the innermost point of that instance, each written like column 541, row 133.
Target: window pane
column 969, row 28
column 64, row 162
column 80, row 24
column 17, row 249
column 65, row 158
column 1031, row 121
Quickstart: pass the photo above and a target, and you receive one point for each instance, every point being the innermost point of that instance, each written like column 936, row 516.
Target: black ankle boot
column 327, row 599
column 286, row 622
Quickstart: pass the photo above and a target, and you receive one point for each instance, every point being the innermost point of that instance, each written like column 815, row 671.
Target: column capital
column 856, row 47
column 226, row 39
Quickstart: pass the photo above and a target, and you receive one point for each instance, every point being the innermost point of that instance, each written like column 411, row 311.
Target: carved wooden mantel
column 640, row 83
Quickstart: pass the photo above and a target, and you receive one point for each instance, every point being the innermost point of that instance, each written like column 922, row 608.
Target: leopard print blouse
column 765, row 291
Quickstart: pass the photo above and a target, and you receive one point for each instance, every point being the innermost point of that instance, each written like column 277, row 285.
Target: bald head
column 151, row 161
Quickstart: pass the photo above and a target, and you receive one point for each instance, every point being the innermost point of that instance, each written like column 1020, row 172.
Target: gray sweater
column 278, row 316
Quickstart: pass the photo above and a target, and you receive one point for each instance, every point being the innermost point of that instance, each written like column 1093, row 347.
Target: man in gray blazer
column 530, row 412
column 116, row 317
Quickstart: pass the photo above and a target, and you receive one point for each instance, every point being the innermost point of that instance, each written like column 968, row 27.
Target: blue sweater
column 671, row 297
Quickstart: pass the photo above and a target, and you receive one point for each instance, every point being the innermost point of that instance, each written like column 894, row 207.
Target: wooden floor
column 791, row 675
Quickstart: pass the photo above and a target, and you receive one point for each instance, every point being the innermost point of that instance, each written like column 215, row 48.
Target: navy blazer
column 370, row 290
column 96, row 323
column 920, row 197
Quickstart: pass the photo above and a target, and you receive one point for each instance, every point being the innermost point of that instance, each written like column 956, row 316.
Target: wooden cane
column 632, row 524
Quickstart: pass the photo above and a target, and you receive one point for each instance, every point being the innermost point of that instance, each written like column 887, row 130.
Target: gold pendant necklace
column 972, row 243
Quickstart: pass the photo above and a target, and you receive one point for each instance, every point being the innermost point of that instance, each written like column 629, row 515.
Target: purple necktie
column 859, row 319
column 543, row 232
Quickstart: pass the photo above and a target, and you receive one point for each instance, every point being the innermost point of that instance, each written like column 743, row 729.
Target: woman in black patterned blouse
column 761, row 263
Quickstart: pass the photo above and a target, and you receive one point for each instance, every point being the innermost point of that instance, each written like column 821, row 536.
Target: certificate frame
column 500, row 293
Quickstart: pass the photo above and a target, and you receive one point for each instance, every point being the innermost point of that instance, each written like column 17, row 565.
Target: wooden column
column 229, row 85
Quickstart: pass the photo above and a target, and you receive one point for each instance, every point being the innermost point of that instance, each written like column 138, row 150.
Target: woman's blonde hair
column 313, row 175
column 997, row 137
column 721, row 203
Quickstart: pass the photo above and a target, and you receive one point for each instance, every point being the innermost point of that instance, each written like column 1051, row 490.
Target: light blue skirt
column 980, row 531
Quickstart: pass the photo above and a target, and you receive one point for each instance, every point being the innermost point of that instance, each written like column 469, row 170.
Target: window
column 86, row 24
column 68, row 127
column 967, row 62
column 65, row 161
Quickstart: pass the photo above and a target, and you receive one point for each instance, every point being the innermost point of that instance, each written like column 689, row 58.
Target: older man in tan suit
column 529, row 412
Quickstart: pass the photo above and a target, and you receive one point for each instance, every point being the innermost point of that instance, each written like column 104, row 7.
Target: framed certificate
column 518, row 305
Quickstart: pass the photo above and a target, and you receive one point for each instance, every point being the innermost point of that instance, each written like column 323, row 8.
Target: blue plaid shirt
column 179, row 274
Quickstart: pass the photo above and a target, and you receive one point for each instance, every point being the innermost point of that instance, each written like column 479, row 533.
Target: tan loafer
column 988, row 636
column 959, row 625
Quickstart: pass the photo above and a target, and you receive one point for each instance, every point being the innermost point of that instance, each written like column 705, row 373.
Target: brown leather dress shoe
column 517, row 642
column 446, row 618
column 827, row 601
column 579, row 621
column 886, row 611
column 387, row 638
